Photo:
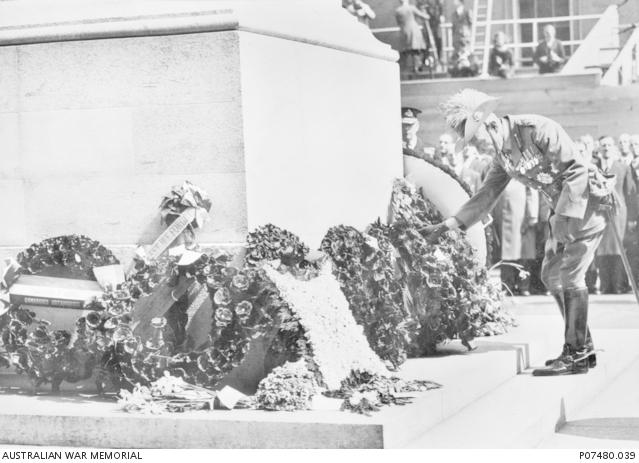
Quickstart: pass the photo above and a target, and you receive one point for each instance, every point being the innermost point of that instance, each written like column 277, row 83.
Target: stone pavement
column 609, row 421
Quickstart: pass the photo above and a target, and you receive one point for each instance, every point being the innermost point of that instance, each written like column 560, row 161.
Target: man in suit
column 612, row 276
column 625, row 152
column 550, row 54
column 537, row 152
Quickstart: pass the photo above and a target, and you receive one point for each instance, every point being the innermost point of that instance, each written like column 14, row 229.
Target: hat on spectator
column 467, row 110
column 409, row 115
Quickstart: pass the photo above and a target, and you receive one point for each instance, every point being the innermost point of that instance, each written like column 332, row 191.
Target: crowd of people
column 520, row 219
column 420, row 42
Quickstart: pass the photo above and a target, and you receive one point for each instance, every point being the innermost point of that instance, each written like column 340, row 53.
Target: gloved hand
column 434, row 231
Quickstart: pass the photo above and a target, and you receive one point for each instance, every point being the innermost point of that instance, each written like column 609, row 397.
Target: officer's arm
column 484, row 200
column 553, row 140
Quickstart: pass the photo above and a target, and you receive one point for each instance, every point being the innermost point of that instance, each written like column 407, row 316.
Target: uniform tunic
column 548, row 163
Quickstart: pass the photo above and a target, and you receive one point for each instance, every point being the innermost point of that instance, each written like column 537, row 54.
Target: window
column 543, row 9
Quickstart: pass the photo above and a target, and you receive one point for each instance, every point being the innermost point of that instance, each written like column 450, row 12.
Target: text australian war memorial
column 318, row 224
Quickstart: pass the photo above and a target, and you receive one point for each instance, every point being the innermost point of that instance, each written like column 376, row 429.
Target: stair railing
column 473, row 27
column 486, row 54
column 624, row 69
column 603, row 34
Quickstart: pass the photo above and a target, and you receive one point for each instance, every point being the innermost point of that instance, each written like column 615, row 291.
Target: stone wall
column 292, row 122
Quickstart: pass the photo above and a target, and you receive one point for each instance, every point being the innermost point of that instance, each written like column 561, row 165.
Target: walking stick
column 624, row 256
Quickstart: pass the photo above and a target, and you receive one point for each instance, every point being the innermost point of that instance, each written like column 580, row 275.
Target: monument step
column 525, row 410
column 466, row 377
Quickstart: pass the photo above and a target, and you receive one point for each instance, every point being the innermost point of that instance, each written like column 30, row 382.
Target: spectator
column 455, row 160
column 412, row 44
column 634, row 145
column 435, row 11
column 624, row 149
column 612, row 276
column 549, row 55
column 360, row 10
column 463, row 62
column 411, row 143
column 500, row 63
column 519, row 214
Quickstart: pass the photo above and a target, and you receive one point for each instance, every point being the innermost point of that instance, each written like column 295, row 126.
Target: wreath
column 446, row 289
column 73, row 256
column 30, row 344
column 364, row 268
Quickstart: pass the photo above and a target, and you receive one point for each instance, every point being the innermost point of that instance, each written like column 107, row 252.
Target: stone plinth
column 283, row 111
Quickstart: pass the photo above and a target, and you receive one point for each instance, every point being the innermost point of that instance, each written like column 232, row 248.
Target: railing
column 487, row 32
column 512, row 25
column 624, row 69
column 604, row 35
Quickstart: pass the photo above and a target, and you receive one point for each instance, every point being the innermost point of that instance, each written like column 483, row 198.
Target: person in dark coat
column 612, row 276
column 519, row 214
column 435, row 11
column 550, row 55
column 538, row 152
column 500, row 62
column 412, row 45
column 463, row 61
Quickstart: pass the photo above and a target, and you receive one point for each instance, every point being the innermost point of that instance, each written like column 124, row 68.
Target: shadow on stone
column 621, row 428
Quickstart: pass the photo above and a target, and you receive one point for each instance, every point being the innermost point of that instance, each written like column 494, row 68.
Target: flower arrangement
column 181, row 198
column 364, row 392
column 289, row 387
column 166, row 394
column 269, row 242
column 363, row 265
column 43, row 354
column 76, row 254
column 337, row 342
column 447, row 289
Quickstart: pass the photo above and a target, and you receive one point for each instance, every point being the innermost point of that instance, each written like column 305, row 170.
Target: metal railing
column 603, row 35
column 624, row 69
column 512, row 24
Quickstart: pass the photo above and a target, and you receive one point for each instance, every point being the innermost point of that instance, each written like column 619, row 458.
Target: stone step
column 525, row 410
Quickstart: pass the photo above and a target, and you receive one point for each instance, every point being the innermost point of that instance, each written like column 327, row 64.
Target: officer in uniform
column 537, row 152
column 411, row 143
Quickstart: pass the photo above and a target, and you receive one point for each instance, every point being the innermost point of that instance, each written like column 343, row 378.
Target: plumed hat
column 467, row 110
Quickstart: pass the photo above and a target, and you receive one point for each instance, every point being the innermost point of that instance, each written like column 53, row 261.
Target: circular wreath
column 72, row 256
column 30, row 344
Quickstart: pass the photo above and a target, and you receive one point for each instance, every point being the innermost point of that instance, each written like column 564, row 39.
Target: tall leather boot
column 574, row 360
column 592, row 358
